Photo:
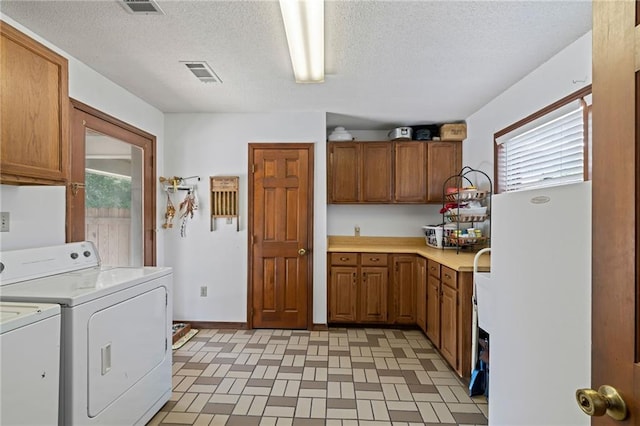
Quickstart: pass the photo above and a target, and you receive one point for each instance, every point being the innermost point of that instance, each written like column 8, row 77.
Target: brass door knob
column 302, row 252
column 606, row 400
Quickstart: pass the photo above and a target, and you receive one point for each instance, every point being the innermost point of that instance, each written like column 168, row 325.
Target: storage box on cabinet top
column 453, row 132
column 400, row 133
column 425, row 132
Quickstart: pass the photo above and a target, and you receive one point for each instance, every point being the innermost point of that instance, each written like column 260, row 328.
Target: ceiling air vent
column 203, row 71
column 143, row 7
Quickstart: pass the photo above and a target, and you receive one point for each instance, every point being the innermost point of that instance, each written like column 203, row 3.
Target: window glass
column 546, row 150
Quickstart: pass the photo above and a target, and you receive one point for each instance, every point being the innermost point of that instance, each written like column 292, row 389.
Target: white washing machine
column 116, row 330
column 29, row 363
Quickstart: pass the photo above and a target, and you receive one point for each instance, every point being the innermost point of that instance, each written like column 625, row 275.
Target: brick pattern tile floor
column 340, row 377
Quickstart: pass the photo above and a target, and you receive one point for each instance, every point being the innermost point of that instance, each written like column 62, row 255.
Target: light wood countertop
column 461, row 262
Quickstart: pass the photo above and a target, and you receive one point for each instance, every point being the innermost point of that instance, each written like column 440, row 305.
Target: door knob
column 302, row 252
column 605, row 400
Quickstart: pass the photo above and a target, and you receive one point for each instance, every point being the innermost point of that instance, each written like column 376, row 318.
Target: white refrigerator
column 540, row 340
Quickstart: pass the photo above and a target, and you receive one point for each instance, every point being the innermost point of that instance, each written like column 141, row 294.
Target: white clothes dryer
column 29, row 363
column 116, row 330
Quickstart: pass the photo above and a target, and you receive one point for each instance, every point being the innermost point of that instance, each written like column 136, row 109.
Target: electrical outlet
column 356, row 231
column 4, row 221
column 203, row 291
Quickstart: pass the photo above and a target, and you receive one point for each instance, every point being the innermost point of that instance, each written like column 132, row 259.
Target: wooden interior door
column 280, row 235
column 616, row 197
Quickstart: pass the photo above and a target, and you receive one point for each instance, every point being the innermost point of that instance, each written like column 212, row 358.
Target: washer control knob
column 87, row 253
column 74, row 255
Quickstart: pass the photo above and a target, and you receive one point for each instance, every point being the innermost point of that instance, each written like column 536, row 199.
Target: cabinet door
column 373, row 294
column 342, row 294
column 344, row 172
column 376, row 172
column 410, row 172
column 433, row 310
column 404, row 289
column 34, row 107
column 421, row 299
column 449, row 325
column 444, row 159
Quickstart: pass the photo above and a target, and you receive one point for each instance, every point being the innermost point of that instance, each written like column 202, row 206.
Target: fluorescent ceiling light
column 304, row 25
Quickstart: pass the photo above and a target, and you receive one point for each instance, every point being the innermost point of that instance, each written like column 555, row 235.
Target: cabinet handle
column 447, row 276
column 374, row 259
column 344, row 259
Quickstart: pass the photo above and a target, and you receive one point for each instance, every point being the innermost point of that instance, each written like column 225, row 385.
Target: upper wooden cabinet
column 391, row 172
column 444, row 159
column 34, row 106
column 411, row 172
column 344, row 172
column 376, row 172
column 351, row 172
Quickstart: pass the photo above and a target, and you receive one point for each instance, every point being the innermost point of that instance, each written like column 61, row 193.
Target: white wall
column 36, row 216
column 91, row 88
column 217, row 144
column 380, row 220
column 563, row 74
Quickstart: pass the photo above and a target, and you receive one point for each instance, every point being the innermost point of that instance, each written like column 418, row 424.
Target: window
column 550, row 147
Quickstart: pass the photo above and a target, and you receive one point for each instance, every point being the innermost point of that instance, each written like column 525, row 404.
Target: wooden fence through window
column 110, row 230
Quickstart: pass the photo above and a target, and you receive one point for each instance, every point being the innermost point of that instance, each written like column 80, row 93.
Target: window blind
column 550, row 153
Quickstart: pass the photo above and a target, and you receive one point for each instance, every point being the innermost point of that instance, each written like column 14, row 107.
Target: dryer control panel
column 27, row 264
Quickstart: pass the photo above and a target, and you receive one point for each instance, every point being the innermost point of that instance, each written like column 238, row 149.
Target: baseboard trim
column 235, row 325
column 216, row 324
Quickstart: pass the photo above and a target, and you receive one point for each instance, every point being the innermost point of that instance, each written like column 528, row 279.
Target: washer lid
column 15, row 314
column 75, row 288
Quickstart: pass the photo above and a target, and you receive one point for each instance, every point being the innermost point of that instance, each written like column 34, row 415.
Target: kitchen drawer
column 373, row 259
column 348, row 259
column 433, row 268
column 449, row 277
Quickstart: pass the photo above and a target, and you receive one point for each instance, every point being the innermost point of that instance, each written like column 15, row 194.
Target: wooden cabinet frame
column 390, row 172
column 35, row 111
column 358, row 288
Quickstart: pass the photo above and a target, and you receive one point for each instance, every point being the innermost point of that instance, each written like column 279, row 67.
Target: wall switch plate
column 356, row 231
column 4, row 221
column 203, row 291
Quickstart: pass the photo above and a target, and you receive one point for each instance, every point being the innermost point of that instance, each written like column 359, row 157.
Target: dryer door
column 126, row 341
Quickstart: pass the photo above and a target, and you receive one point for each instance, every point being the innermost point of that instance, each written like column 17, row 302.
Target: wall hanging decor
column 187, row 206
column 224, row 199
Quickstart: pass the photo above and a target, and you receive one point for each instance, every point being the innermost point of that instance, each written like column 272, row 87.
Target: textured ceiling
column 387, row 62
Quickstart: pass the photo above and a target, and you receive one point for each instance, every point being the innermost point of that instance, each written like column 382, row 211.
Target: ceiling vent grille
column 142, row 7
column 202, row 71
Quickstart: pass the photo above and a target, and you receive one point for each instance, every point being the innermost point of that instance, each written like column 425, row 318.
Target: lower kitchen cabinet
column 358, row 291
column 380, row 288
column 449, row 324
column 421, row 293
column 433, row 303
column 342, row 294
column 373, row 294
column 404, row 289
